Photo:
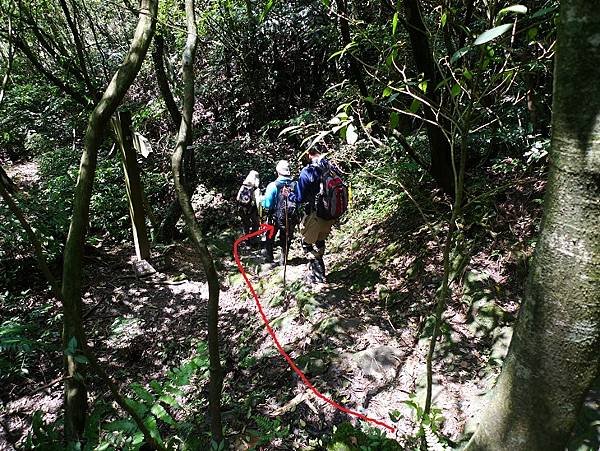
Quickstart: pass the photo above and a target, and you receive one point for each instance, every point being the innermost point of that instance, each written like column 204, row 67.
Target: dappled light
column 335, row 225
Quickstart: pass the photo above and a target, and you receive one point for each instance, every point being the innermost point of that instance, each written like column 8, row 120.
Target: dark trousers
column 316, row 264
column 250, row 220
column 280, row 238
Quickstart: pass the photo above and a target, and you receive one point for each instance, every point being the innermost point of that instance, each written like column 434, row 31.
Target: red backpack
column 332, row 200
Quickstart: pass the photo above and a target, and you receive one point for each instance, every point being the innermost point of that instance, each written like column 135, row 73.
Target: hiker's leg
column 254, row 225
column 319, row 263
column 246, row 222
column 269, row 243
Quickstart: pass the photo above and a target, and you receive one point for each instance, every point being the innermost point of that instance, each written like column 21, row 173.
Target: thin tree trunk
column 9, row 62
column 78, row 48
column 450, row 239
column 184, row 139
column 7, row 182
column 441, row 163
column 163, row 82
column 75, row 390
column 166, row 231
column 41, row 261
column 354, row 66
column 553, row 357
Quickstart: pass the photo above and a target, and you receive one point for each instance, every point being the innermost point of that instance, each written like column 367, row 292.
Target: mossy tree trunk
column 554, row 354
column 75, row 389
column 184, row 140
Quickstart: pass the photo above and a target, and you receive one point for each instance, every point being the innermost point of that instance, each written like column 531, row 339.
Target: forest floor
column 349, row 349
column 361, row 338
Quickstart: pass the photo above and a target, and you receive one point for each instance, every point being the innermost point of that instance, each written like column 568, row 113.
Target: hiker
column 325, row 197
column 281, row 212
column 248, row 199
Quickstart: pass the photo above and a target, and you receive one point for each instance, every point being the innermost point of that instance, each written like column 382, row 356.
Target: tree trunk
column 184, row 139
column 354, row 66
column 441, row 159
column 75, row 390
column 553, row 357
column 166, row 231
column 163, row 81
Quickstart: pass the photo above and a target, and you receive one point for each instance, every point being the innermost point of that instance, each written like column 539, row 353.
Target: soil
column 361, row 338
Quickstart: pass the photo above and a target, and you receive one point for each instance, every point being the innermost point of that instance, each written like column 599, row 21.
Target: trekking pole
column 286, row 245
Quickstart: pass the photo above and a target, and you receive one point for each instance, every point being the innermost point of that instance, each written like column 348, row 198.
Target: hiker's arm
column 300, row 188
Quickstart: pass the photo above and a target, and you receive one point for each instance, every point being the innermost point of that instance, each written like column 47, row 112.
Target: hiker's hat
column 252, row 179
column 283, row 168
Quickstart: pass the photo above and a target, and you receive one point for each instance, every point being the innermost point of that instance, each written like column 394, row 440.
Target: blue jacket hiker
column 313, row 228
column 280, row 212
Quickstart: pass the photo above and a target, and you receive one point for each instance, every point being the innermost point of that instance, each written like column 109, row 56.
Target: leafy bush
column 348, row 438
column 15, row 349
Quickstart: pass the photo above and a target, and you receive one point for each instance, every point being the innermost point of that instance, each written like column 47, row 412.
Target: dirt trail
column 352, row 351
column 348, row 347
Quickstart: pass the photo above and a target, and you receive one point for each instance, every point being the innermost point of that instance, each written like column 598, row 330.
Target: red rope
column 268, row 228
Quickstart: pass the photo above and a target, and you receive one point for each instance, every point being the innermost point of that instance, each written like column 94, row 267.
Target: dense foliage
column 438, row 113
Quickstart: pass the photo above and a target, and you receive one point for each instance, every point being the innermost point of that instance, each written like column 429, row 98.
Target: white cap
column 252, row 179
column 283, row 168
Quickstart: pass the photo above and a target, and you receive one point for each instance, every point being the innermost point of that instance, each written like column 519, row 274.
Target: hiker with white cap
column 248, row 200
column 280, row 212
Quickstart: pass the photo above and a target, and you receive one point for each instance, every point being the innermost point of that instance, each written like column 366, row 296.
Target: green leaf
column 156, row 386
column 71, row 346
column 518, row 9
column 387, row 91
column 455, row 90
column 468, row 74
column 394, row 120
column 423, row 86
column 150, row 423
column 342, row 52
column 268, row 7
column 291, row 130
column 492, row 34
column 138, row 439
column 80, row 358
column 326, row 3
column 316, row 138
column 542, row 12
column 351, row 135
column 169, row 400
column 532, row 33
column 389, row 61
column 144, row 394
column 126, row 426
column 394, row 23
column 159, row 412
column 139, row 408
column 459, row 54
column 415, row 105
column 444, row 19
